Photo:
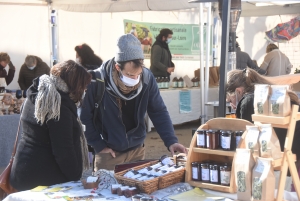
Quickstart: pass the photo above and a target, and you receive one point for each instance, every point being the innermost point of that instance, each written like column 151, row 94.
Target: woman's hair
column 247, row 78
column 75, row 76
column 271, row 47
column 4, row 57
column 87, row 56
column 30, row 60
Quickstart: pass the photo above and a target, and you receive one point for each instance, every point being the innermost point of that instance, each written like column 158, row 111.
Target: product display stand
column 201, row 154
column 288, row 159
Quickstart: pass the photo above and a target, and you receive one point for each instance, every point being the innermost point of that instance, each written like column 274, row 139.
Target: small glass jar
column 214, row 173
column 201, row 138
column 238, row 137
column 121, row 190
column 114, row 188
column 196, row 171
column 146, row 199
column 225, row 174
column 205, row 172
column 226, row 140
column 130, row 192
column 212, row 137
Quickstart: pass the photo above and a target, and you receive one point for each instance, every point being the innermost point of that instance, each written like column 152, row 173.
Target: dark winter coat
column 245, row 109
column 26, row 75
column 161, row 58
column 50, row 153
column 8, row 77
column 243, row 61
column 110, row 122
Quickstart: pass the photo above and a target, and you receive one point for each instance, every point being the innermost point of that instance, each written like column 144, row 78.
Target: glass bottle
column 201, row 138
column 226, row 140
column 196, row 171
column 225, row 174
column 175, row 82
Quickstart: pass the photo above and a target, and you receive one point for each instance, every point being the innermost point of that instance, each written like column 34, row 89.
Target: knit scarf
column 117, row 87
column 47, row 106
column 123, row 88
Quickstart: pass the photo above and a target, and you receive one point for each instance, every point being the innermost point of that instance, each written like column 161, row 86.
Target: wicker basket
column 154, row 184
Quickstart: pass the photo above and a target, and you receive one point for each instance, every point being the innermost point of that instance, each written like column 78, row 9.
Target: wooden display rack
column 201, row 154
column 288, row 159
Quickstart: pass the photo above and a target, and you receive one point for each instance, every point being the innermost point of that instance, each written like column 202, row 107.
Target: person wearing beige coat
column 276, row 63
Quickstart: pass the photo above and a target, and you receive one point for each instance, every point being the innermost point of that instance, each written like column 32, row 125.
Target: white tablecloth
column 171, row 100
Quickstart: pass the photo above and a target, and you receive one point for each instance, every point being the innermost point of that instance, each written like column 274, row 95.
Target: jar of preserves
column 201, row 138
column 196, row 171
column 226, row 140
column 214, row 173
column 225, row 174
column 205, row 172
column 212, row 137
column 238, row 136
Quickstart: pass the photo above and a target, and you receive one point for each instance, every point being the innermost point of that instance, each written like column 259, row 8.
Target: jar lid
column 195, row 163
column 239, row 132
column 226, row 131
column 212, row 131
column 201, row 130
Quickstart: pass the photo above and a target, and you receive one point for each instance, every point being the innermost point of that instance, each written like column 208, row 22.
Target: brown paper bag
column 263, row 180
column 279, row 102
column 213, row 74
column 243, row 165
column 269, row 142
column 251, row 139
column 261, row 95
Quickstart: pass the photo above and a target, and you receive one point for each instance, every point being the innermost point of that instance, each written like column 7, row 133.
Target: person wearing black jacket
column 240, row 92
column 161, row 58
column 4, row 61
column 53, row 148
column 243, row 61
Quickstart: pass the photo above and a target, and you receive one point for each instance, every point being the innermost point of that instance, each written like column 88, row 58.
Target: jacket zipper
column 121, row 121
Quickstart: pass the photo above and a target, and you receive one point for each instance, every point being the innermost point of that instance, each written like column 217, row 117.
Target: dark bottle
column 238, row 136
column 205, row 172
column 225, row 174
column 175, row 82
column 196, row 171
column 214, row 173
column 226, row 140
column 180, row 82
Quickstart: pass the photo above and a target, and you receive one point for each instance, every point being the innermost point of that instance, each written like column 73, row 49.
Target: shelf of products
column 202, row 154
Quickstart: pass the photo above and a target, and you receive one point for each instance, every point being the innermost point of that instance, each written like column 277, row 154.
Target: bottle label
column 207, row 141
column 196, row 84
column 214, row 176
column 200, row 140
column 175, row 84
column 225, row 177
column 195, row 172
column 226, row 142
column 237, row 140
column 180, row 84
column 205, row 174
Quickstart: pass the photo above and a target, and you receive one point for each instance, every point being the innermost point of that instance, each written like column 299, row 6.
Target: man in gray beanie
column 130, row 91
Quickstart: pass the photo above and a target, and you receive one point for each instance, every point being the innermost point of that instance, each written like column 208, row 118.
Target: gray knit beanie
column 128, row 48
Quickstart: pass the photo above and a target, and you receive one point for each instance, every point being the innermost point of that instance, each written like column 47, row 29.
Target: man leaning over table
column 130, row 92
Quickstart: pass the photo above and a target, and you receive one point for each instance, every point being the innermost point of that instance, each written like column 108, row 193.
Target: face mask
column 169, row 40
column 31, row 68
column 77, row 60
column 129, row 81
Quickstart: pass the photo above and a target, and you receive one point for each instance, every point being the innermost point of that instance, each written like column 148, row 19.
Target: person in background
column 4, row 60
column 86, row 57
column 53, row 147
column 240, row 93
column 130, row 91
column 275, row 62
column 243, row 61
column 161, row 58
column 33, row 67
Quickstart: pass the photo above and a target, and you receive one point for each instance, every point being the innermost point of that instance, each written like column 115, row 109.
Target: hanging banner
column 185, row 41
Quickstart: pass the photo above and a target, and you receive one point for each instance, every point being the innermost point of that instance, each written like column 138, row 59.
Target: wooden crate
column 201, row 154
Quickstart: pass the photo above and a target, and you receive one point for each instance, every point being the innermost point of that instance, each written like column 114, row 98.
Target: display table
column 171, row 100
column 8, row 130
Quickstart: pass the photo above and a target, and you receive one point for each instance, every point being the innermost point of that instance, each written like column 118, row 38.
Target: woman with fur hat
column 53, row 148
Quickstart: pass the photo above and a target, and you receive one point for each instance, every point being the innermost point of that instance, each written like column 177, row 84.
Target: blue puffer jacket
column 110, row 123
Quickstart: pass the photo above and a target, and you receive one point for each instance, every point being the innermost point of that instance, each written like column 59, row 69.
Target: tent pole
column 202, row 103
column 50, row 32
column 224, row 57
column 207, row 63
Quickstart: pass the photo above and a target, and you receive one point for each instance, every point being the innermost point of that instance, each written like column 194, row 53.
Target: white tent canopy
column 249, row 7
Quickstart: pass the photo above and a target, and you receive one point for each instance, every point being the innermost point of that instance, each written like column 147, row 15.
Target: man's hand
column 11, row 66
column 177, row 147
column 108, row 150
column 170, row 69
